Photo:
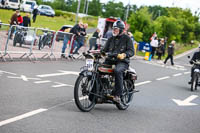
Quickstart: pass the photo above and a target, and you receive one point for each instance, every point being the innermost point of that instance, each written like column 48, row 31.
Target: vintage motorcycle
column 45, row 39
column 23, row 36
column 196, row 76
column 96, row 81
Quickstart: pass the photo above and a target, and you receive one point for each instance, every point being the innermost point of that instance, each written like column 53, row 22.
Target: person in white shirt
column 154, row 45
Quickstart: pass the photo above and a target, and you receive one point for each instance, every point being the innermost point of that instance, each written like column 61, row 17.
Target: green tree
column 95, row 8
column 113, row 9
column 141, row 21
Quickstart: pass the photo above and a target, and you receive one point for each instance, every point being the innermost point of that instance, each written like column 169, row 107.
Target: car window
column 45, row 7
column 29, row 3
column 15, row 1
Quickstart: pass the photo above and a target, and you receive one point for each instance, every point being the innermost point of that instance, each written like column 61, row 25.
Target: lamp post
column 77, row 12
column 87, row 6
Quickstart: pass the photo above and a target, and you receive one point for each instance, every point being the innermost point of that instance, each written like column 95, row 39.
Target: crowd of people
column 159, row 47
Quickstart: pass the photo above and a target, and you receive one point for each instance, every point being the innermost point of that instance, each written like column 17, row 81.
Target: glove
column 121, row 56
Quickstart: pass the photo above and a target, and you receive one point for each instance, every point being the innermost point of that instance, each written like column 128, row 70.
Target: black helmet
column 119, row 24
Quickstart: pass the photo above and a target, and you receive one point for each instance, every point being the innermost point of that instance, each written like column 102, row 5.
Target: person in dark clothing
column 26, row 21
column 14, row 21
column 75, row 30
column 93, row 40
column 160, row 49
column 170, row 53
column 35, row 13
column 195, row 57
column 121, row 45
column 80, row 39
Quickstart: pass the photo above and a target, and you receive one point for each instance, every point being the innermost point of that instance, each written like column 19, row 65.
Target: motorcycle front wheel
column 84, row 100
column 127, row 95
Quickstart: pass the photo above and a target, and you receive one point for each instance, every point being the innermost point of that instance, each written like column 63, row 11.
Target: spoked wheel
column 84, row 100
column 194, row 82
column 127, row 95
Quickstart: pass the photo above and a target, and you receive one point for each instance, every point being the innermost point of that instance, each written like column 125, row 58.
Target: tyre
column 82, row 91
column 127, row 95
column 14, row 41
column 194, row 82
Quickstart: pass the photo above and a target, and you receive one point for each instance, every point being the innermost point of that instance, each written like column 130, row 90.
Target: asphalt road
column 38, row 98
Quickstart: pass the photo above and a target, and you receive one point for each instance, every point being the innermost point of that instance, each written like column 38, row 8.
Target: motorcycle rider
column 121, row 45
column 195, row 57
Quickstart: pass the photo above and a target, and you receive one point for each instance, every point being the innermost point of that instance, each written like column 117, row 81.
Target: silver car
column 46, row 10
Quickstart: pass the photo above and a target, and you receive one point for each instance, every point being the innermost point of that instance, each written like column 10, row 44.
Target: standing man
column 26, row 21
column 170, row 53
column 154, row 45
column 81, row 38
column 75, row 30
column 14, row 21
column 35, row 13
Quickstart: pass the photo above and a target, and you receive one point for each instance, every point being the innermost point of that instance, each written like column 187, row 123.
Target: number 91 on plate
column 89, row 64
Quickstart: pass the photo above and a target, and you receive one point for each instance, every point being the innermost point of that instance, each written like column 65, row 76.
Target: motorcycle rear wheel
column 127, row 95
column 82, row 91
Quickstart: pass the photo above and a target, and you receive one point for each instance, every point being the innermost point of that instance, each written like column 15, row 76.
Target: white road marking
column 163, row 78
column 186, row 72
column 186, row 102
column 41, row 82
column 24, row 78
column 58, row 74
column 142, row 83
column 22, row 116
column 61, row 85
column 178, row 74
column 7, row 72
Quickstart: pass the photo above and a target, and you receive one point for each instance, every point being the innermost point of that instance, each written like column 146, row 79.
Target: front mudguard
column 86, row 73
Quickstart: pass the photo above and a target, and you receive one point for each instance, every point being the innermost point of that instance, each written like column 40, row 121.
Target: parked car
column 28, row 5
column 46, row 10
column 12, row 4
column 60, row 36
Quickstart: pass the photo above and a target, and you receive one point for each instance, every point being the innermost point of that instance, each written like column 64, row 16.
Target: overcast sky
column 192, row 4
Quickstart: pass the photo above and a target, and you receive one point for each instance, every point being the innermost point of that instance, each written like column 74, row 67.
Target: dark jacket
column 96, row 34
column 26, row 21
column 171, row 49
column 195, row 57
column 160, row 49
column 118, row 45
column 75, row 30
column 13, row 19
column 35, row 12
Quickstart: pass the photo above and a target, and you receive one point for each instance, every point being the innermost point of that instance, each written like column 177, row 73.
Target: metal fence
column 39, row 43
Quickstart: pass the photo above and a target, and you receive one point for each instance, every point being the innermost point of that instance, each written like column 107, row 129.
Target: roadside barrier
column 33, row 43
column 4, row 28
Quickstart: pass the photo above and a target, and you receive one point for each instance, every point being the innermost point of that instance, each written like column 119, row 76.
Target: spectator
column 93, row 41
column 20, row 20
column 35, row 13
column 160, row 49
column 170, row 53
column 14, row 21
column 75, row 30
column 154, row 45
column 81, row 38
column 108, row 33
column 26, row 21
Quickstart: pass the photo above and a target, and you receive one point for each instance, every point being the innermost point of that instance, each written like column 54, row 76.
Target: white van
column 12, row 4
column 28, row 5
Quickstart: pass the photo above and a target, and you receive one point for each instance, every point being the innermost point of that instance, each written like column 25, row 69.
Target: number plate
column 89, row 64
